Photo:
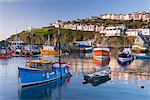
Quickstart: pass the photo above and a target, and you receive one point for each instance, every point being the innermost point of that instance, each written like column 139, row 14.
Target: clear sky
column 20, row 14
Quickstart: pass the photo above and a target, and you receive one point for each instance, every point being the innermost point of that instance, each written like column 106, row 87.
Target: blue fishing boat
column 41, row 71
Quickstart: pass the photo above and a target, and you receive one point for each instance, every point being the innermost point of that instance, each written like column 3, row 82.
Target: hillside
column 108, row 22
column 40, row 36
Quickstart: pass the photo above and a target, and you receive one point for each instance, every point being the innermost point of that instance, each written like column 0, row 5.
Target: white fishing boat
column 125, row 55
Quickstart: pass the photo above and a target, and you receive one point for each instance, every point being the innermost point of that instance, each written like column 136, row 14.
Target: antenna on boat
column 124, row 38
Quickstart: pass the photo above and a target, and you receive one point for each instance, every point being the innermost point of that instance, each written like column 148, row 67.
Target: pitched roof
column 145, row 38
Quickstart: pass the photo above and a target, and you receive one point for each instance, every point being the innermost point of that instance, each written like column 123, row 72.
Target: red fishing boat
column 101, row 52
column 5, row 53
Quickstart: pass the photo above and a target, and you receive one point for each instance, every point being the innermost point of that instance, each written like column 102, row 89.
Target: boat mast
column 124, row 38
column 48, row 38
column 59, row 42
column 59, row 49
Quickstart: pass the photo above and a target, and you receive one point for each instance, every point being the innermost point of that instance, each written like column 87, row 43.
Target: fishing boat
column 17, row 46
column 27, row 51
column 125, row 55
column 5, row 51
column 35, row 51
column 17, row 50
column 101, row 52
column 41, row 71
column 97, row 77
column 83, row 46
column 47, row 49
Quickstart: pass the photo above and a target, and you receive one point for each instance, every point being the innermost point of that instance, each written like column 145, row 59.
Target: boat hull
column 5, row 55
column 48, row 52
column 125, row 55
column 86, row 49
column 125, row 59
column 31, row 76
column 101, row 53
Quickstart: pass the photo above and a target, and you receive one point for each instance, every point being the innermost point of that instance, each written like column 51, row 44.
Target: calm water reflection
column 124, row 83
column 44, row 91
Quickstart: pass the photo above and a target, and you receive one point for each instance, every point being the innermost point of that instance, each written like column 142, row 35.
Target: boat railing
column 56, row 65
column 38, row 66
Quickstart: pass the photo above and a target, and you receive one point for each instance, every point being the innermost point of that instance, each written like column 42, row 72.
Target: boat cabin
column 45, row 65
column 39, row 64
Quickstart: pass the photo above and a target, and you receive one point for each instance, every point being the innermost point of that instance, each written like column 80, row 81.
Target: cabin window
column 56, row 65
column 41, row 66
column 63, row 65
column 34, row 65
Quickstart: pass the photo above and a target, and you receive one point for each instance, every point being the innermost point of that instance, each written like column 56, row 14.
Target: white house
column 99, row 28
column 127, row 17
column 112, row 31
column 131, row 32
column 120, row 17
column 91, row 27
column 30, row 28
column 135, row 32
column 141, row 42
column 85, row 28
column 145, row 31
column 79, row 27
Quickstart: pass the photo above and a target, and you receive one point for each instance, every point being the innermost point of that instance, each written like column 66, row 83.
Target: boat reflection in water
column 85, row 55
column 124, row 65
column 100, row 74
column 101, row 62
column 98, row 77
column 43, row 91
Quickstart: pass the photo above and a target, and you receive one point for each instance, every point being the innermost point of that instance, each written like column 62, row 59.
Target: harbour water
column 125, row 83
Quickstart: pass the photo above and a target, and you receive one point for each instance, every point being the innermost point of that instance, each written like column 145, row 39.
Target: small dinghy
column 97, row 77
column 125, row 55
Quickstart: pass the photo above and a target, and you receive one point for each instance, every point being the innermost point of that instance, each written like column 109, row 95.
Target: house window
column 137, row 40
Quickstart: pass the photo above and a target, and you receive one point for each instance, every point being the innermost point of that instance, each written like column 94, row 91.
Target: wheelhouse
column 39, row 64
